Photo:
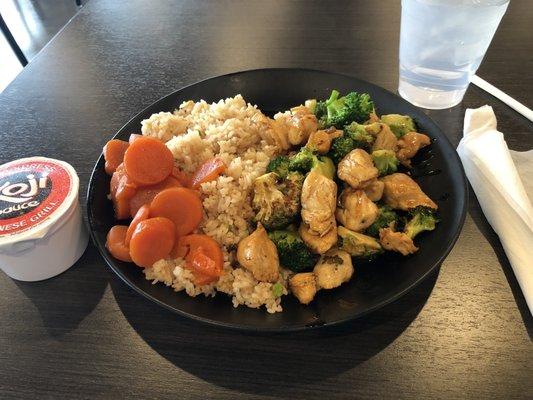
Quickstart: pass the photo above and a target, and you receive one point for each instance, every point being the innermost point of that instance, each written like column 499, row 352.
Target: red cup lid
column 34, row 194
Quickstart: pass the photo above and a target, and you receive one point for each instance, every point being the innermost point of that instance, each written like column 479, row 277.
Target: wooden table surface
column 464, row 333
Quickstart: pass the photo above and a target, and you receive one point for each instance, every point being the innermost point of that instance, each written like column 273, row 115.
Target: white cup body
column 51, row 255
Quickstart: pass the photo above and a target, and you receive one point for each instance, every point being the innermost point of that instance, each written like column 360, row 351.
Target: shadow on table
column 268, row 363
column 486, row 230
column 65, row 300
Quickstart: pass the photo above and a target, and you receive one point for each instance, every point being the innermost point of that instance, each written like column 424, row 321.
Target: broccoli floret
column 292, row 184
column 341, row 146
column 302, row 161
column 292, row 251
column 279, row 165
column 354, row 136
column 399, row 124
column 359, row 135
column 277, row 289
column 341, row 111
column 365, row 107
column 374, row 128
column 305, row 160
column 357, row 244
column 311, row 105
column 421, row 219
column 277, row 202
column 325, row 166
column 291, row 228
column 321, row 112
column 386, row 217
column 385, row 161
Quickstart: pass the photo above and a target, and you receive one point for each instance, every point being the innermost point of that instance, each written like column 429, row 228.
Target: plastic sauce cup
column 42, row 232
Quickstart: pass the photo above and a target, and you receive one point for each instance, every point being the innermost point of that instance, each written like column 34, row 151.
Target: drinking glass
column 442, row 43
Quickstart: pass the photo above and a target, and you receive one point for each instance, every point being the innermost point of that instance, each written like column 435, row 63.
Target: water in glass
column 442, row 43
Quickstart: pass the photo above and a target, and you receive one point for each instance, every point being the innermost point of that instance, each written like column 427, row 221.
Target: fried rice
column 234, row 131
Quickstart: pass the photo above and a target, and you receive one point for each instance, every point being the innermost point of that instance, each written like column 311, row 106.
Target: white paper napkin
column 502, row 180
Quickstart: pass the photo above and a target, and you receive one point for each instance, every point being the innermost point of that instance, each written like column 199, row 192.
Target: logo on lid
column 30, row 192
column 22, row 192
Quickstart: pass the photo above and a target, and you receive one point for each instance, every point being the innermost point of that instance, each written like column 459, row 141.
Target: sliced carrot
column 148, row 161
column 204, row 268
column 142, row 214
column 203, row 257
column 122, row 189
column 202, row 263
column 209, row 246
column 114, row 154
column 181, row 176
column 152, row 240
column 133, row 137
column 116, row 245
column 176, row 250
column 181, row 205
column 171, row 182
column 207, row 172
column 125, row 192
column 145, row 195
column 113, row 185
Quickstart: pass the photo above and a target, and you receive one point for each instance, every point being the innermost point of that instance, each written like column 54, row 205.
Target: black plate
column 438, row 171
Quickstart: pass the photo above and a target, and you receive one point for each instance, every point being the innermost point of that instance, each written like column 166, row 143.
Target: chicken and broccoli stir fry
column 340, row 193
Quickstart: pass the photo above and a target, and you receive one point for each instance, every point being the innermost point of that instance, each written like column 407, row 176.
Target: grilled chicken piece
column 279, row 132
column 319, row 244
column 396, row 241
column 303, row 286
column 356, row 211
column 301, row 125
column 403, row 193
column 357, row 169
column 385, row 139
column 409, row 144
column 374, row 128
column 271, row 131
column 321, row 140
column 372, row 118
column 259, row 255
column 333, row 269
column 319, row 197
column 297, row 124
column 374, row 190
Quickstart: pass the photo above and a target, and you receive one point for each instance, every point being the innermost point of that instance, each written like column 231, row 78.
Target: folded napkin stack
column 503, row 183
